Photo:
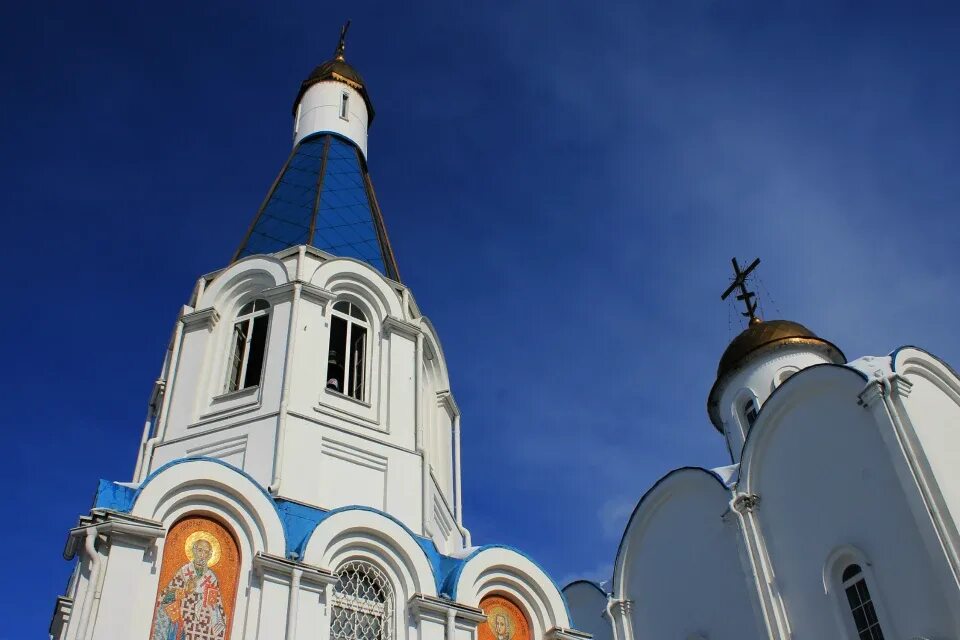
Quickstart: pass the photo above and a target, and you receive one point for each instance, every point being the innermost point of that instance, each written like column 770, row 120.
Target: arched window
column 362, row 604
column 861, row 604
column 347, row 361
column 750, row 411
column 248, row 346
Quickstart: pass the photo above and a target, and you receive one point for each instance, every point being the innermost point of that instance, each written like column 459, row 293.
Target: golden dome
column 765, row 336
column 762, row 337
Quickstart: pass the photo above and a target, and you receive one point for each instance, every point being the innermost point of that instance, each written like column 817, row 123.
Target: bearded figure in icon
column 190, row 607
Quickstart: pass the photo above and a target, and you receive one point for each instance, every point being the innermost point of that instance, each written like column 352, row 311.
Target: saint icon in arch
column 505, row 620
column 197, row 582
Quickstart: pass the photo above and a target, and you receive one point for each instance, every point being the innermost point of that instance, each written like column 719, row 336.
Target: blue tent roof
column 323, row 197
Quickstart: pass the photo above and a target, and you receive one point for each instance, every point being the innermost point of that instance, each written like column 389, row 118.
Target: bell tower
column 306, row 363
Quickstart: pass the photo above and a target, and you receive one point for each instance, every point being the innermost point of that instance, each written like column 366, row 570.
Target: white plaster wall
column 932, row 409
column 330, row 467
column 760, row 380
column 129, row 563
column 587, row 609
column 247, row 445
column 319, row 110
column 681, row 564
column 825, row 480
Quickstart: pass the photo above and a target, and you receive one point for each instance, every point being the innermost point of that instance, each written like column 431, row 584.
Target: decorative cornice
column 61, row 615
column 280, row 293
column 202, row 319
column 560, row 633
column 316, row 294
column 445, row 399
column 884, row 386
column 264, row 562
column 109, row 524
column 621, row 606
column 423, row 605
column 402, row 327
column 745, row 503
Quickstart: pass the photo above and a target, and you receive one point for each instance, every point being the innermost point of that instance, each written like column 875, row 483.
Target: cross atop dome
column 745, row 296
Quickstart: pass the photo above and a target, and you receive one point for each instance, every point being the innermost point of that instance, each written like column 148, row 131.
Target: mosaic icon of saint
column 190, row 607
column 501, row 627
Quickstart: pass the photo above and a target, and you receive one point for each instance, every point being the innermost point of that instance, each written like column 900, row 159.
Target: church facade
column 836, row 519
column 299, row 478
column 298, row 474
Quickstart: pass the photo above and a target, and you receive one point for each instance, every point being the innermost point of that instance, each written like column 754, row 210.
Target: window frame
column 835, row 586
column 351, row 321
column 247, row 318
column 344, row 106
column 865, row 598
column 386, row 609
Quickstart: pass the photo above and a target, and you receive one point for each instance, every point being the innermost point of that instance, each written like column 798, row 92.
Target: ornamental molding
column 202, row 319
column 424, row 606
column 561, row 633
column 401, row 327
column 746, row 503
column 280, row 293
column 884, row 385
column 621, row 606
column 445, row 399
column 316, row 294
column 112, row 524
column 267, row 563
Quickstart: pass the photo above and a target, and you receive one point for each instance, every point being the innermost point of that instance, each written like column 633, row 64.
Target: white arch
column 252, row 274
column 370, row 535
column 433, row 343
column 818, row 380
column 501, row 570
column 205, row 487
column 216, row 488
column 349, row 275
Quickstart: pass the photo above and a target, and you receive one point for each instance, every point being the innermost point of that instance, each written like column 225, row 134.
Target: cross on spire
column 342, row 45
column 745, row 296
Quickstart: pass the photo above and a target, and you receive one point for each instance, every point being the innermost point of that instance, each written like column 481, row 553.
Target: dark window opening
column 338, row 349
column 750, row 411
column 861, row 604
column 248, row 346
column 344, row 105
column 347, row 355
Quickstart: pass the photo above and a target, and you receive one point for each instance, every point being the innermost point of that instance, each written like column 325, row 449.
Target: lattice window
column 362, row 604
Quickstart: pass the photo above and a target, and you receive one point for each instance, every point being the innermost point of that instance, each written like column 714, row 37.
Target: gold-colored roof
column 336, row 69
column 762, row 337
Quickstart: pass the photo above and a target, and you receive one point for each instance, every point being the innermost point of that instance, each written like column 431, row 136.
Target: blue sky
column 564, row 185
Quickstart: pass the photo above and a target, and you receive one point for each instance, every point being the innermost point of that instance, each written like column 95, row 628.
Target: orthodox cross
column 747, row 297
column 342, row 46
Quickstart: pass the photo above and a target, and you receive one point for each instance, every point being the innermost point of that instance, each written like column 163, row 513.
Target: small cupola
column 756, row 362
column 334, row 99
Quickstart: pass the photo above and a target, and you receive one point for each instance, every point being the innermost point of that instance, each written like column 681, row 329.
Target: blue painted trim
column 113, row 496
column 896, row 352
column 588, row 582
column 435, row 559
column 643, row 499
column 347, row 140
column 452, row 581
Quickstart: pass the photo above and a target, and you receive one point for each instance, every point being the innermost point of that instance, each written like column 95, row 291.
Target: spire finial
column 747, row 297
column 342, row 46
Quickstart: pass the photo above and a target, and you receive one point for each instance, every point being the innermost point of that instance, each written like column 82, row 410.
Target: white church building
column 837, row 518
column 298, row 476
column 299, row 471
